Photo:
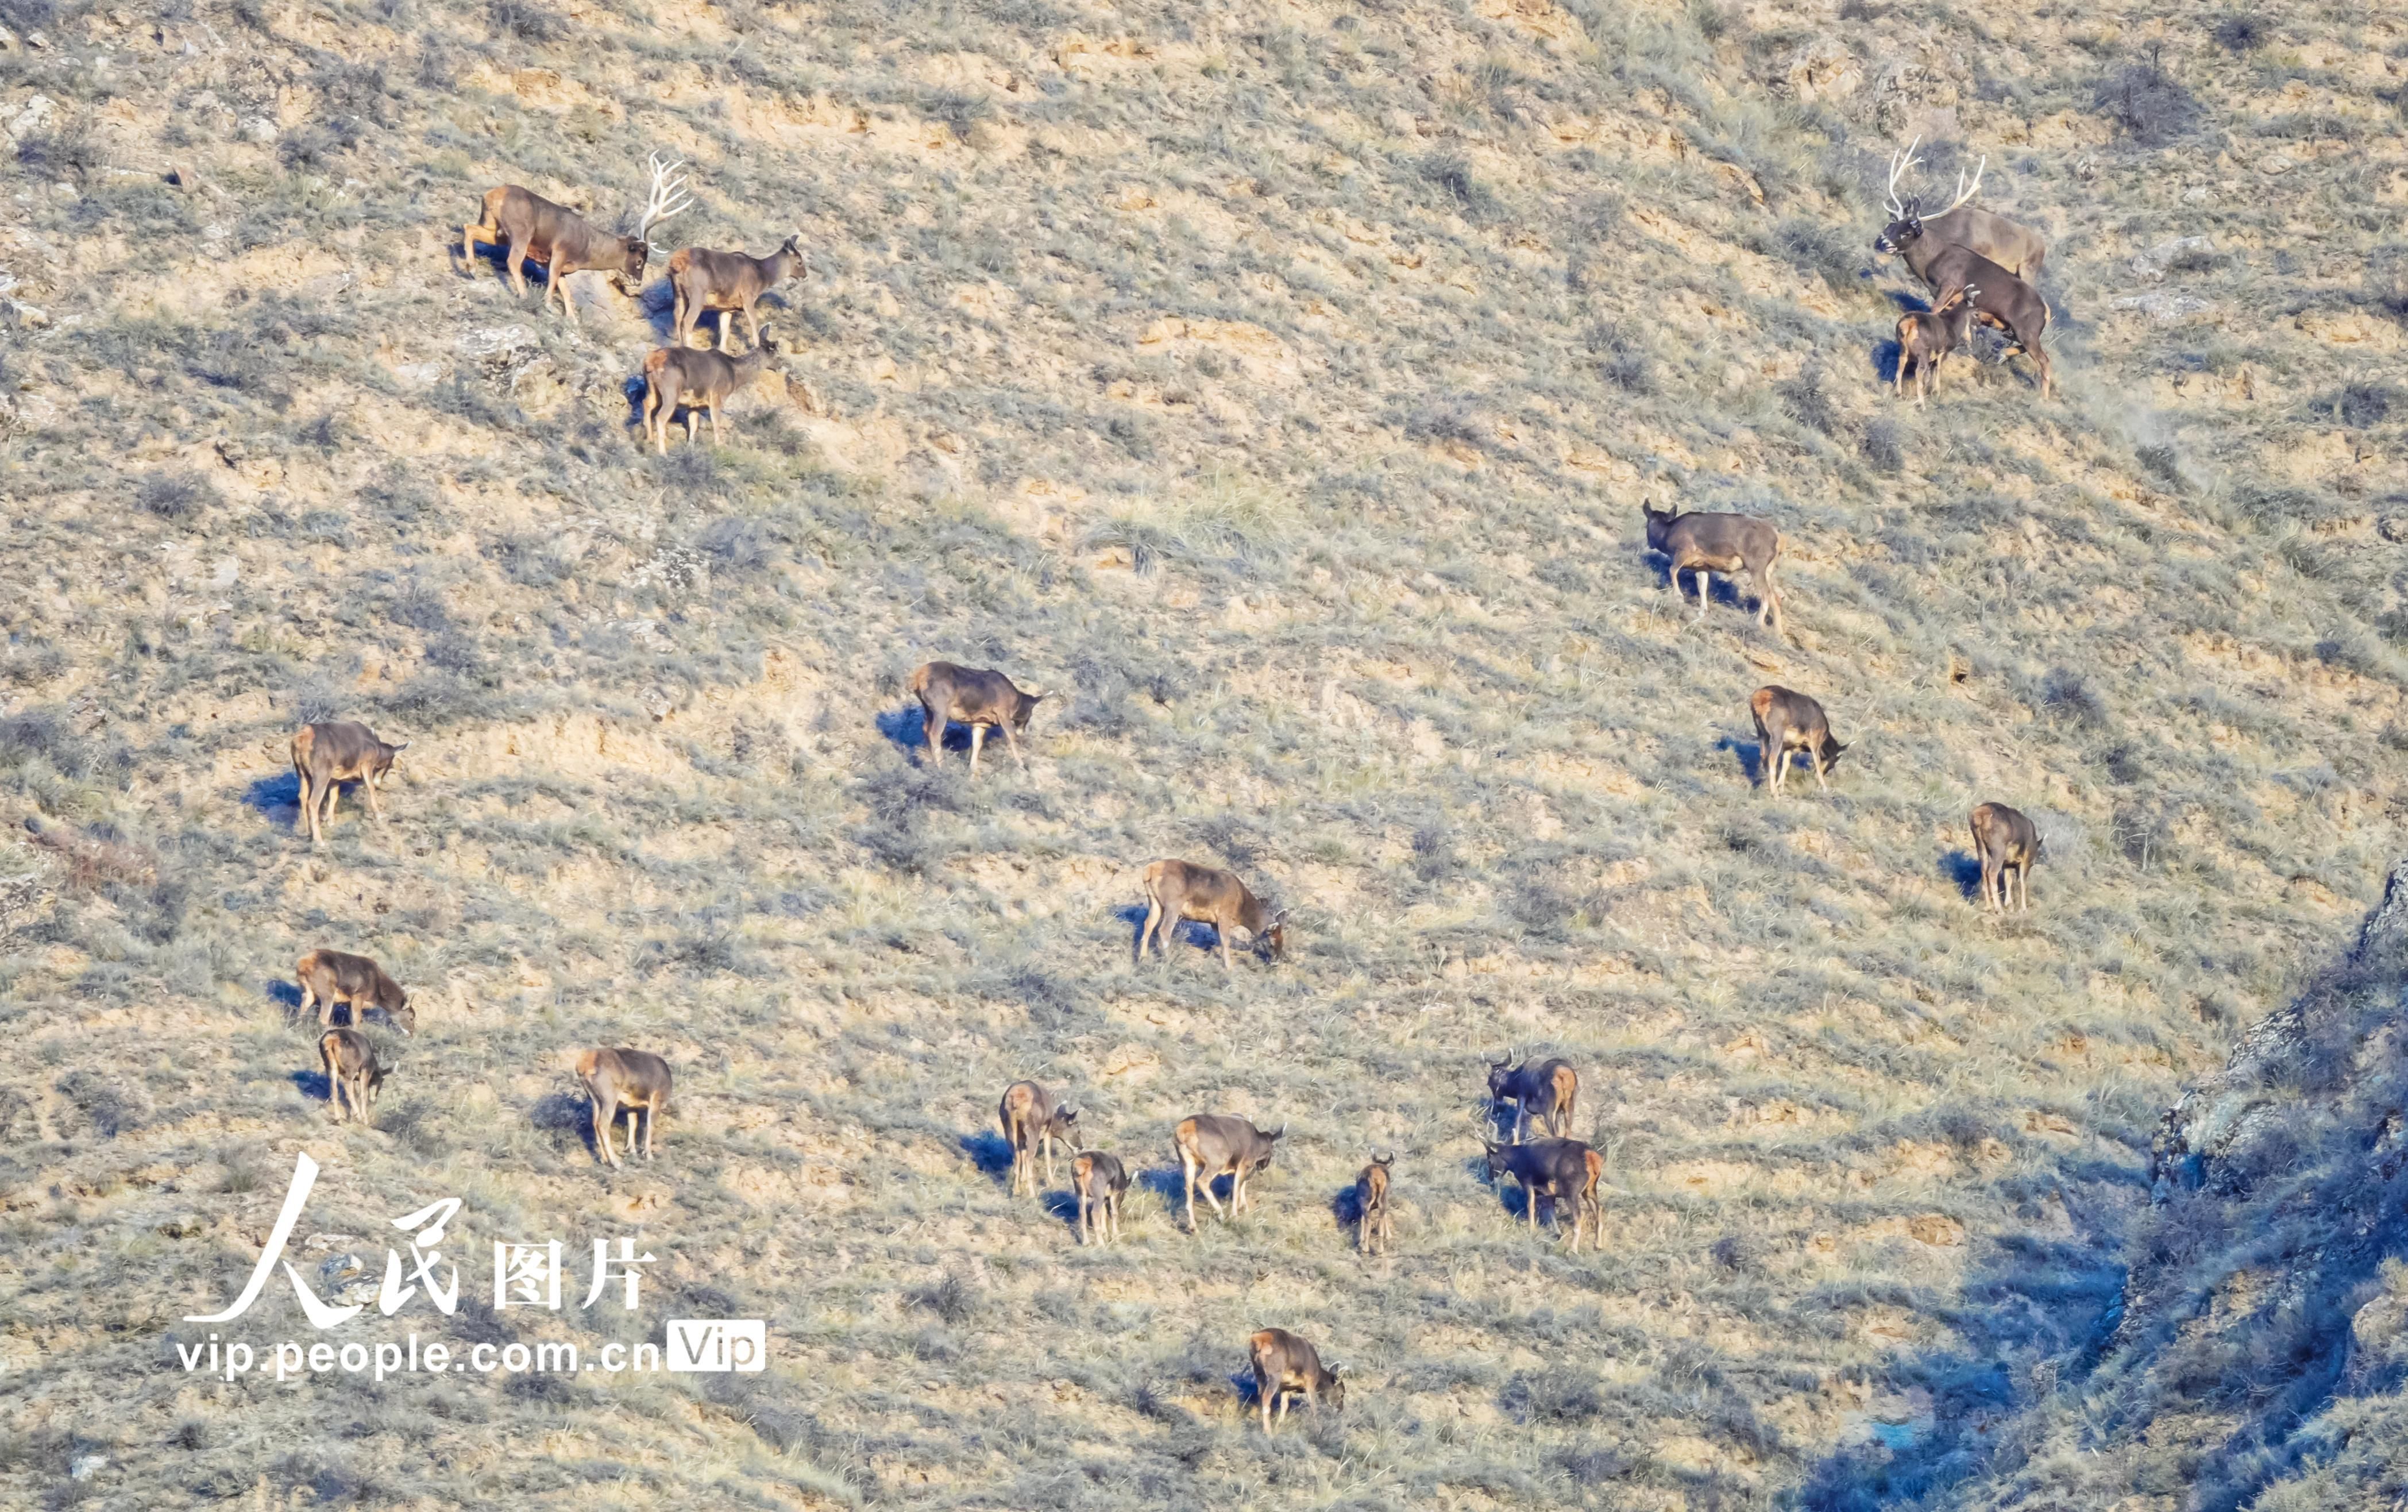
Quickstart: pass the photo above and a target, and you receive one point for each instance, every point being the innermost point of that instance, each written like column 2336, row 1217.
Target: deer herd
column 1978, row 266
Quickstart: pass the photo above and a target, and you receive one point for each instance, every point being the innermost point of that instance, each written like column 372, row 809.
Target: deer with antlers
column 1993, row 292
column 2017, row 249
column 721, row 283
column 565, row 242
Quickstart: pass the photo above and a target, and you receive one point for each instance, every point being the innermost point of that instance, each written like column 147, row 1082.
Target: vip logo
column 718, row 1344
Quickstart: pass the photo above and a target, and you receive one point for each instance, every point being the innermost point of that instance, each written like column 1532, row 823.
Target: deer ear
column 403, row 746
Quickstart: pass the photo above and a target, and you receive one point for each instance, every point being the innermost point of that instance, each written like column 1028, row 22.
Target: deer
column 2005, row 841
column 1100, row 1180
column 1031, row 1118
column 2003, row 301
column 1726, row 543
column 565, row 242
column 1547, row 1090
column 1787, row 723
column 707, row 282
column 1287, row 1367
column 1371, row 1220
column 1180, row 890
column 1216, row 1144
column 697, row 380
column 983, row 700
column 1924, row 337
column 635, row 1082
column 328, row 977
column 351, row 1070
column 1555, row 1169
column 2015, row 248
column 324, row 757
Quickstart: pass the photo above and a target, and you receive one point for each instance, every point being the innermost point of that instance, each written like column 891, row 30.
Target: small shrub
column 175, row 496
column 1884, row 446
column 526, row 22
column 1558, row 1395
column 2362, row 405
column 2147, row 104
column 2239, row 34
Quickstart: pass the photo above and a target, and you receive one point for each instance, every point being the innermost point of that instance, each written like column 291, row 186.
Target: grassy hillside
column 1276, row 386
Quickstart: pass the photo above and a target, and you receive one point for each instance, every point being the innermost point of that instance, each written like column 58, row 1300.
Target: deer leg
column 1705, row 586
column 1048, row 1157
column 334, row 790
column 1153, row 919
column 374, row 808
column 602, row 1130
column 1222, row 932
column 651, row 1126
column 1816, row 758
column 726, row 320
column 753, row 324
column 1013, row 742
column 517, row 272
column 978, row 739
column 714, row 422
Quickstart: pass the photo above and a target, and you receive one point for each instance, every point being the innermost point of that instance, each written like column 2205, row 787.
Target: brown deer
column 1924, row 337
column 1031, row 1118
column 1371, row 1221
column 328, row 977
column 634, row 1081
column 1555, row 1169
column 1287, row 1367
column 1215, row 1145
column 2003, row 301
column 1547, row 1090
column 1727, row 544
column 2015, row 248
column 1100, row 1180
column 2005, row 841
column 707, row 282
column 353, row 1070
column 983, row 700
column 697, row 380
column 1787, row 723
column 565, row 242
column 324, row 757
column 1178, row 890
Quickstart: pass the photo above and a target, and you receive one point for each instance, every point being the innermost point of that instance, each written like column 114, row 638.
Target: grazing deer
column 1031, row 1118
column 697, row 380
column 635, row 1081
column 2005, row 841
column 1371, row 1223
column 983, row 700
column 1787, row 723
column 1555, row 1169
column 565, row 242
column 1287, row 1367
column 1100, row 1180
column 353, row 1070
column 328, row 977
column 1926, row 337
column 708, row 282
column 2015, row 248
column 324, row 757
column 1177, row 890
column 1726, row 543
column 2003, row 301
column 1547, row 1090
column 1215, row 1145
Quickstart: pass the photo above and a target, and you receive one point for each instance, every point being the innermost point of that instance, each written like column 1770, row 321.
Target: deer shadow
column 569, row 1114
column 1964, row 869
column 908, row 727
column 1723, row 592
column 285, row 995
column 275, row 798
column 1751, row 759
column 314, row 1085
column 990, row 1153
column 1193, row 932
column 1886, row 356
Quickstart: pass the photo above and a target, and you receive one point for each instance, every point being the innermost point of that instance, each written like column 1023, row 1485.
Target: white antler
column 1899, row 164
column 668, row 197
column 1966, row 191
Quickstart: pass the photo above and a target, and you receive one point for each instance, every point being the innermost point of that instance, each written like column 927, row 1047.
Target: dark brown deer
column 707, row 282
column 328, row 977
column 1177, row 890
column 1287, row 1367
column 1371, row 1221
column 1031, row 1118
column 1787, row 723
column 1727, row 544
column 1100, row 1180
column 2017, row 249
column 634, row 1081
column 1547, row 1090
column 678, row 377
column 2006, row 841
column 2003, row 301
column 1214, row 1145
column 983, row 700
column 1924, row 337
column 352, row 1071
column 1555, row 1169
column 565, row 242
column 326, row 757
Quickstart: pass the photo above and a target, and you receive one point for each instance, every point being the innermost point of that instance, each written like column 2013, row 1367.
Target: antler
column 1899, row 163
column 666, row 186
column 1966, row 191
